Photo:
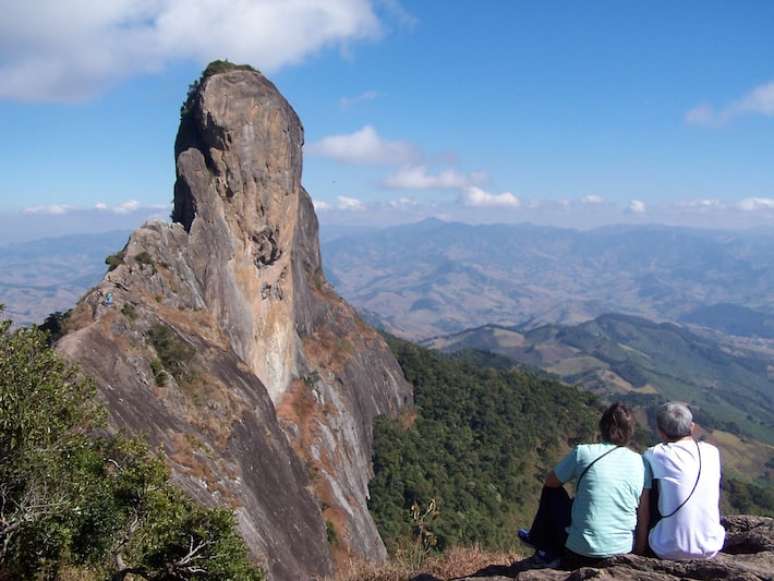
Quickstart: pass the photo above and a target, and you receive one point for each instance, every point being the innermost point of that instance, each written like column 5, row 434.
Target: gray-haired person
column 687, row 474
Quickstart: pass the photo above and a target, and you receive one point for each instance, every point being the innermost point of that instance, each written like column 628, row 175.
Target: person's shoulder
column 706, row 447
column 654, row 452
column 589, row 451
column 583, row 450
column 633, row 457
column 631, row 453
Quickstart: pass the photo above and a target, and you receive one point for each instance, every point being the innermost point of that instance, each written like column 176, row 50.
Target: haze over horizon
column 580, row 116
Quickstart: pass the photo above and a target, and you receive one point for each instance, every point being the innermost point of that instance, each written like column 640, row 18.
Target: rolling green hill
column 642, row 362
column 466, row 465
column 733, row 319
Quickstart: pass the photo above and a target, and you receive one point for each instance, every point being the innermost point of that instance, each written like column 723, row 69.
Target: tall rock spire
column 227, row 348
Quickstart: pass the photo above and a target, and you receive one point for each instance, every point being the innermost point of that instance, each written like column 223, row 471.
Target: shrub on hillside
column 174, row 355
column 73, row 499
column 214, row 68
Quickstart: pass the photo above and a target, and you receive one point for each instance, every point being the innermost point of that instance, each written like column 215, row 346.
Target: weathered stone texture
column 272, row 412
column 747, row 556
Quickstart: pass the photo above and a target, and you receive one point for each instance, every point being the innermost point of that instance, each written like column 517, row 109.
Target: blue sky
column 574, row 113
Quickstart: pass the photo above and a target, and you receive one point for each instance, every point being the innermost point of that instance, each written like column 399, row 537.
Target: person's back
column 694, row 531
column 610, row 490
column 604, row 513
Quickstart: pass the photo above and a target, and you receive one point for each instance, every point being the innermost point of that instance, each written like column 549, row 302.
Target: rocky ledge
column 747, row 556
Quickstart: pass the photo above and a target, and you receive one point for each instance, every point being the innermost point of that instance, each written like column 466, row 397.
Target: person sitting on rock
column 686, row 476
column 610, row 482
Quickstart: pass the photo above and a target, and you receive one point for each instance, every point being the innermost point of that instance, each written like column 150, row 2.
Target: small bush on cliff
column 73, row 499
column 145, row 259
column 214, row 68
column 174, row 354
column 55, row 325
column 115, row 260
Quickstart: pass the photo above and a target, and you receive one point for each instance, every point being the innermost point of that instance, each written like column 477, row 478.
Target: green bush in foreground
column 73, row 499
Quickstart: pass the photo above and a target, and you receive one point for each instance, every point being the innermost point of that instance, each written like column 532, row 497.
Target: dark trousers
column 548, row 530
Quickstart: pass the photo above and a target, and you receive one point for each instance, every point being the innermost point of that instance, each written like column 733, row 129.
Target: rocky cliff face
column 225, row 346
column 748, row 555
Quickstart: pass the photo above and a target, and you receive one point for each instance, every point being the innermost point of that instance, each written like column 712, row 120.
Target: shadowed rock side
column 226, row 347
column 747, row 556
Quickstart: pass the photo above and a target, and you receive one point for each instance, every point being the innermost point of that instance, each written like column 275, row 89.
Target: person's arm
column 552, row 480
column 643, row 522
column 564, row 471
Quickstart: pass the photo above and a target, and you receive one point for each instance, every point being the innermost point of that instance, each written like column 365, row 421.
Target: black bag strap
column 695, row 485
column 587, row 468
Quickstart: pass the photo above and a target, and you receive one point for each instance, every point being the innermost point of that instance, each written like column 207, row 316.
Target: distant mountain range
column 433, row 277
column 546, row 292
column 632, row 359
column 40, row 277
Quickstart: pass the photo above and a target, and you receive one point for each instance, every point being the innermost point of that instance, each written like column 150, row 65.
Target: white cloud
column 347, row 102
column 592, row 200
column 416, row 177
column 52, row 209
column 402, row 202
column 702, row 204
column 61, row 51
column 476, row 197
column 758, row 101
column 348, row 203
column 364, row 146
column 701, row 115
column 754, row 204
column 128, row 207
column 637, row 207
column 403, row 16
column 321, row 206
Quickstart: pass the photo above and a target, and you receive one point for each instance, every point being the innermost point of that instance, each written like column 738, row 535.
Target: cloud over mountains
column 69, row 51
column 364, row 147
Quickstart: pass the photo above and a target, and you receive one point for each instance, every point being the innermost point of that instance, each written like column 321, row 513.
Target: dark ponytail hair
column 617, row 424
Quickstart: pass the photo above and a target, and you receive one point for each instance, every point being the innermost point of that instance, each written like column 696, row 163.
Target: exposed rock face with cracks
column 748, row 555
column 225, row 346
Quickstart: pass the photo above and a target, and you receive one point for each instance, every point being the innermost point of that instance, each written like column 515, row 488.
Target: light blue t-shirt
column 604, row 513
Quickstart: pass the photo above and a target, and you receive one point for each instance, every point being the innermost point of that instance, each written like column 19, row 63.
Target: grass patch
column 129, row 311
column 330, row 533
column 145, row 259
column 159, row 374
column 455, row 562
column 175, row 356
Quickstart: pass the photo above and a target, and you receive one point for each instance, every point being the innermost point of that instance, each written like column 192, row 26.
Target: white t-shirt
column 694, row 532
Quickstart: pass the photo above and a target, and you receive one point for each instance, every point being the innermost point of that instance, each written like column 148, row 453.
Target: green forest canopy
column 480, row 445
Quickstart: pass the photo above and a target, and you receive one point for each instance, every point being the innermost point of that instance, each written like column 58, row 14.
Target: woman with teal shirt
column 612, row 484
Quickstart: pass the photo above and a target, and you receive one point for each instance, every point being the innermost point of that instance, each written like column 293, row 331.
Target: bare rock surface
column 225, row 346
column 747, row 556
